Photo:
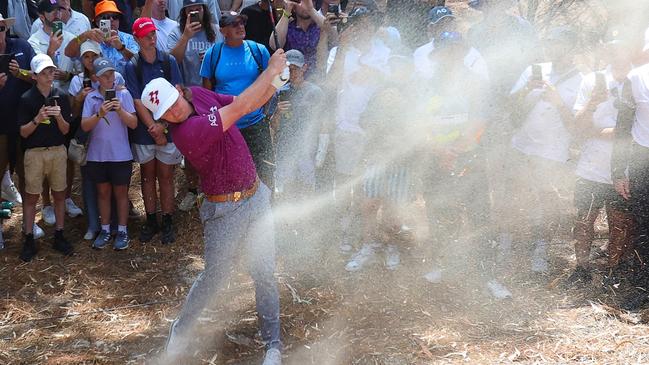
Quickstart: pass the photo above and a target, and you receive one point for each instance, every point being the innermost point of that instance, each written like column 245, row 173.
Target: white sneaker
column 392, row 258
column 48, row 215
column 498, row 290
column 90, row 235
column 539, row 258
column 188, row 202
column 273, row 357
column 360, row 258
column 10, row 193
column 37, row 231
column 434, row 276
column 72, row 209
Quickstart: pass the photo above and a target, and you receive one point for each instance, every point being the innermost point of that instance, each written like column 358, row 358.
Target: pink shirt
column 221, row 159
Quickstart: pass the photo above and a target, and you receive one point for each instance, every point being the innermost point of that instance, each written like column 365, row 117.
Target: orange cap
column 106, row 6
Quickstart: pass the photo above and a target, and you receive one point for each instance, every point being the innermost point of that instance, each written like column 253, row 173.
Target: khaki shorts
column 46, row 162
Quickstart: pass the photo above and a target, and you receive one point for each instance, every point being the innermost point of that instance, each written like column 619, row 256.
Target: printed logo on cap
column 142, row 25
column 153, row 97
column 103, row 63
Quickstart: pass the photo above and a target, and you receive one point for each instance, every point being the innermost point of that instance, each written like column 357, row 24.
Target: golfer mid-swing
column 236, row 214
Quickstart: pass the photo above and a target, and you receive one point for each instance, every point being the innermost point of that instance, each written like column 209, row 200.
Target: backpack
column 215, row 64
column 166, row 67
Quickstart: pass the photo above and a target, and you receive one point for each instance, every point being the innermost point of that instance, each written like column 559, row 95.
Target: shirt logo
column 153, row 96
column 212, row 116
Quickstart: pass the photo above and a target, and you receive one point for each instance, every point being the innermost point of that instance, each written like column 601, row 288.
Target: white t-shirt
column 425, row 67
column 77, row 24
column 543, row 133
column 40, row 41
column 595, row 159
column 165, row 28
column 640, row 84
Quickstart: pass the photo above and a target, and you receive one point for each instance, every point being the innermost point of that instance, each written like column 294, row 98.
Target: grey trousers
column 233, row 231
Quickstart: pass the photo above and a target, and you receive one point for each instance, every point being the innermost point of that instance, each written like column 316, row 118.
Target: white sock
column 121, row 229
column 105, row 227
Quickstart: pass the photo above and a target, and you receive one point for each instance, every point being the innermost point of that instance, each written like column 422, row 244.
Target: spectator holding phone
column 302, row 32
column 175, row 9
column 52, row 40
column 116, row 45
column 73, row 21
column 44, row 118
column 107, row 113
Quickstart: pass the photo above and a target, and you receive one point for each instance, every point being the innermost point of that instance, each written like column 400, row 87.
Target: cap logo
column 153, row 97
column 53, row 2
column 144, row 24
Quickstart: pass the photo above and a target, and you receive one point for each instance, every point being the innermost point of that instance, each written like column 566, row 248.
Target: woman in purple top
column 107, row 117
column 236, row 215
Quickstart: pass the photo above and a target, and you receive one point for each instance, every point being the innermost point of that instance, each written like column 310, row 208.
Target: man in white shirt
column 53, row 44
column 73, row 21
column 440, row 19
column 545, row 95
column 155, row 9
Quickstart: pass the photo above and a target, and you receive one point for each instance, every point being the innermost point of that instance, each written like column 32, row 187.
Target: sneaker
column 273, row 357
column 121, row 241
column 90, row 235
column 37, row 231
column 10, row 193
column 539, row 259
column 29, row 248
column 48, row 215
column 498, row 290
column 72, row 209
column 62, row 245
column 580, row 277
column 434, row 276
column 188, row 202
column 102, row 240
column 149, row 229
column 345, row 246
column 168, row 234
column 392, row 258
column 360, row 258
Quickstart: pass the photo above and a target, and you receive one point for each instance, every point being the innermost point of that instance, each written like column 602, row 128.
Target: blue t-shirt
column 140, row 135
column 235, row 71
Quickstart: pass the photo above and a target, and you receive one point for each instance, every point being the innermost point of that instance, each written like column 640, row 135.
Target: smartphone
column 53, row 100
column 87, row 82
column 104, row 26
column 110, row 94
column 194, row 17
column 57, row 27
column 537, row 73
column 5, row 59
column 333, row 9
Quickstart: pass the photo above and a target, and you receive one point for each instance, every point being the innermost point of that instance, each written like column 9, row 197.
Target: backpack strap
column 215, row 64
column 260, row 67
column 138, row 67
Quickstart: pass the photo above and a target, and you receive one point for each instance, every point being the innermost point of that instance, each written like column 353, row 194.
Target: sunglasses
column 238, row 23
column 109, row 17
column 2, row 28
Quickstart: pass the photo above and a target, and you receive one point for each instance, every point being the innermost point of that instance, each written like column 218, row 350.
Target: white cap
column 158, row 96
column 646, row 41
column 90, row 46
column 40, row 62
column 8, row 21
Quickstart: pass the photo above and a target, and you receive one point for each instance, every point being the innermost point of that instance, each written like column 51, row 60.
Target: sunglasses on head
column 238, row 23
column 109, row 17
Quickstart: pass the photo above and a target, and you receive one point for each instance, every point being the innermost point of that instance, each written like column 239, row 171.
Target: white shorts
column 349, row 148
column 167, row 154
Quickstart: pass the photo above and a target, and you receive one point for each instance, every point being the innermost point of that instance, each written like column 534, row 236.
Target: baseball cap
column 143, row 26
column 438, row 13
column 106, row 6
column 40, row 62
column 102, row 65
column 187, row 3
column 231, row 17
column 8, row 21
column 295, row 57
column 158, row 96
column 47, row 6
column 90, row 46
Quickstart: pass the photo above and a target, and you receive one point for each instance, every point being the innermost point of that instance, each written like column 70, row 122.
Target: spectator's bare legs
column 59, row 208
column 45, row 195
column 165, row 176
column 104, row 192
column 148, row 186
column 121, row 196
column 70, row 178
column 29, row 211
column 191, row 176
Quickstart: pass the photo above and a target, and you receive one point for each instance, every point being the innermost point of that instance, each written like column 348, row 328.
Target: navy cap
column 438, row 13
column 231, row 17
column 47, row 6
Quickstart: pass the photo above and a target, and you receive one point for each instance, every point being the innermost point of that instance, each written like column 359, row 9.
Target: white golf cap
column 40, row 62
column 90, row 46
column 158, row 96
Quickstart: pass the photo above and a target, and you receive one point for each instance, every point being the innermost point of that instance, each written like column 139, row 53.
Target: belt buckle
column 237, row 196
